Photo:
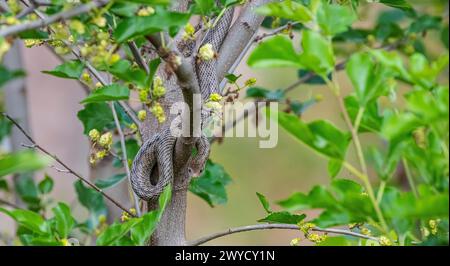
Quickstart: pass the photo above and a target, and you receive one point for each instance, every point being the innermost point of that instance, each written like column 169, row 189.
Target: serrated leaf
column 287, row 10
column 138, row 26
column 275, row 52
column 334, row 19
column 112, row 92
column 64, row 222
column 69, row 70
column 7, row 75
column 110, row 182
column 264, row 202
column 46, row 185
column 21, row 162
column 317, row 53
column 93, row 201
column 283, row 217
column 95, row 116
column 30, row 220
column 210, row 186
column 319, row 135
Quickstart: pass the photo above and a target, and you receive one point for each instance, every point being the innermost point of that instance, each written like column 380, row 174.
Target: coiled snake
column 157, row 151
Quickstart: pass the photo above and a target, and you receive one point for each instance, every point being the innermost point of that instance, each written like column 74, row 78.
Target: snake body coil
column 158, row 150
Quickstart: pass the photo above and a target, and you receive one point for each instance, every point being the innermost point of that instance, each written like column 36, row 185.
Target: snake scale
column 157, row 151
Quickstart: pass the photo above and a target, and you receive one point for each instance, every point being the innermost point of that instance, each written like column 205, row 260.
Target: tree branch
column 84, row 180
column 255, row 227
column 124, row 156
column 51, row 19
column 8, row 203
column 239, row 37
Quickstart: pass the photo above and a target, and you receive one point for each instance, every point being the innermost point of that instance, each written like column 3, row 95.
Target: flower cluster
column 306, row 228
column 126, row 216
column 101, row 145
column 206, row 52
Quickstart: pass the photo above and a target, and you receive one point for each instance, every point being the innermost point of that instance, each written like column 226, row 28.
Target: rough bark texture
column 16, row 103
column 181, row 86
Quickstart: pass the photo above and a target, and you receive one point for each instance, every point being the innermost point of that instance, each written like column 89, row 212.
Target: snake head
column 196, row 167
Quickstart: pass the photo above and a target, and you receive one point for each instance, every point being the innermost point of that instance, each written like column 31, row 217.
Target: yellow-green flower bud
column 365, row 231
column 100, row 154
column 146, row 11
column 106, row 140
column 99, row 21
column 215, row 97
column 206, row 52
column 114, row 58
column 384, row 241
column 86, row 78
column 65, row 242
column 133, row 127
column 305, row 227
column 94, row 135
column 295, row 241
column 159, row 91
column 143, row 95
column 158, row 112
column 142, row 114
column 250, row 82
column 77, row 26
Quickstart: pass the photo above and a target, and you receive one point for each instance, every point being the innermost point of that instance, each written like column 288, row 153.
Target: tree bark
column 16, row 102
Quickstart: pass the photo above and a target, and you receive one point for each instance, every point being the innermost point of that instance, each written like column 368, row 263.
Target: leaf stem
column 410, row 177
column 364, row 176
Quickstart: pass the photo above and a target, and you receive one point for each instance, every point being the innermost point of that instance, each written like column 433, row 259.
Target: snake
column 157, row 151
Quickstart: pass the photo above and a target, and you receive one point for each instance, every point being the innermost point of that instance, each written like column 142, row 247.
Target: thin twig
column 247, row 228
column 84, row 180
column 124, row 156
column 138, row 57
column 11, row 30
column 288, row 25
column 8, row 203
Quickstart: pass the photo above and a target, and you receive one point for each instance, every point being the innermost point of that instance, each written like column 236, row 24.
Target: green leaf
column 124, row 70
column 444, row 36
column 69, row 70
column 46, row 185
column 64, row 222
column 320, row 135
column 204, row 7
column 93, row 201
column 317, row 53
column 7, row 75
column 286, row 9
column 283, row 217
column 371, row 120
column 144, row 229
column 5, row 127
column 401, row 4
column 112, row 92
column 334, row 167
column 115, row 232
column 95, row 116
column 137, row 26
column 275, row 52
column 210, row 186
column 334, row 19
column 399, row 125
column 261, row 93
column 21, row 162
column 30, row 220
column 110, row 182
column 264, row 202
column 367, row 77
column 153, row 66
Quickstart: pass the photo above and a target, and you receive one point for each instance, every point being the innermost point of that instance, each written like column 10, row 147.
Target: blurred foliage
column 391, row 51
